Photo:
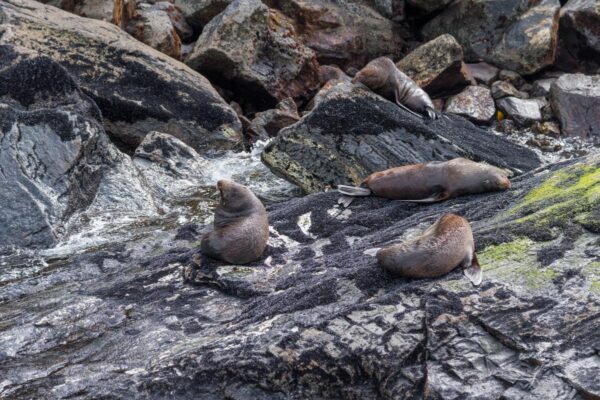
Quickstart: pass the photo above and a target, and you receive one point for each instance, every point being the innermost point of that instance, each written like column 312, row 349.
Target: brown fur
column 384, row 78
column 437, row 181
column 444, row 246
column 241, row 226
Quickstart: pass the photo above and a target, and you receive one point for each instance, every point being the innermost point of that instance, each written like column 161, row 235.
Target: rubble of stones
column 514, row 66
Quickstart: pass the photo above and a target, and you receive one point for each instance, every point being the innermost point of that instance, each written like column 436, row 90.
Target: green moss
column 592, row 273
column 514, row 251
column 570, row 194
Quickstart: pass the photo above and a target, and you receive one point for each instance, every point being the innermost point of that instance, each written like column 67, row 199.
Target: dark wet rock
column 55, row 158
column 268, row 123
column 502, row 89
column 347, row 33
column 483, row 72
column 317, row 318
column 523, row 112
column 541, row 87
column 352, row 132
column 475, row 103
column 152, row 25
column 437, row 66
column 390, row 9
column 514, row 34
column 137, row 88
column 576, row 102
column 428, row 6
column 254, row 51
column 198, row 13
column 579, row 36
column 511, row 76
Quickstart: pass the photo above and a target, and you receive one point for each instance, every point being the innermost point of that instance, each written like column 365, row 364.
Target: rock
column 483, row 72
column 254, row 52
column 513, row 34
column 506, row 126
column 331, row 72
column 56, row 161
column 391, row 9
column 269, row 123
column 428, row 6
column 523, row 112
column 198, row 13
column 548, row 128
column 95, row 9
column 502, row 89
column 352, row 132
column 475, row 103
column 318, row 318
column 541, row 87
column 511, row 76
column 183, row 29
column 342, row 32
column 153, row 26
column 579, row 37
column 575, row 99
column 137, row 88
column 437, row 66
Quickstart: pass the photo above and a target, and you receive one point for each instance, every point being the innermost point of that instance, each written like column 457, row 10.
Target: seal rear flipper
column 473, row 271
column 353, row 190
column 345, row 201
column 434, row 198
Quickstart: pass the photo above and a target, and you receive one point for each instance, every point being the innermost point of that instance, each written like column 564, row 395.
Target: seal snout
column 504, row 183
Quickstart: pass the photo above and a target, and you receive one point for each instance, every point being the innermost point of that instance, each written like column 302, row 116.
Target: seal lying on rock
column 383, row 77
column 432, row 182
column 444, row 246
column 241, row 226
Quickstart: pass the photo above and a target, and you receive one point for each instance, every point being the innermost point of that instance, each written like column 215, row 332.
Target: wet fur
column 241, row 226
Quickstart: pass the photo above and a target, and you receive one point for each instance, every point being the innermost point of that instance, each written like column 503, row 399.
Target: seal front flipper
column 353, row 190
column 436, row 197
column 473, row 271
column 431, row 113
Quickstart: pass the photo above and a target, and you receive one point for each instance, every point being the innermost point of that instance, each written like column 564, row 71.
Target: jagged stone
column 502, row 89
column 523, row 112
column 152, row 25
column 579, row 37
column 475, row 103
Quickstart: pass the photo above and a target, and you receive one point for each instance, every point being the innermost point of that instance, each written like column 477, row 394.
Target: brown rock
column 269, row 123
column 437, row 66
column 511, row 76
column 579, row 36
column 502, row 89
column 548, row 128
column 152, row 25
column 483, row 72
column 475, row 103
column 199, row 12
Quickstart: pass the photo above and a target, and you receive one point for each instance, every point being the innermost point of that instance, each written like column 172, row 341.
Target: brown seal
column 241, row 226
column 383, row 77
column 432, row 182
column 444, row 246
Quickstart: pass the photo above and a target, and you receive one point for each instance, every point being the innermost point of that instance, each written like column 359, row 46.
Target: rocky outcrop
column 55, row 158
column 576, row 102
column 437, row 66
column 253, row 51
column 352, row 132
column 137, row 88
column 342, row 32
column 475, row 103
column 515, row 34
column 523, row 112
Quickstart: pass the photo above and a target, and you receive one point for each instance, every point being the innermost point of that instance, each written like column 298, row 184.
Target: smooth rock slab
column 475, row 103
column 576, row 102
column 352, row 132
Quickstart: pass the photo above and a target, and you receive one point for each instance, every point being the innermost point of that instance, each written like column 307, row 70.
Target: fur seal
column 444, row 246
column 383, row 77
column 432, row 182
column 241, row 226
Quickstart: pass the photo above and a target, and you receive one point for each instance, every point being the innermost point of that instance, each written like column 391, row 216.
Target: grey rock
column 514, row 34
column 137, row 88
column 541, row 87
column 475, row 103
column 198, row 13
column 254, row 51
column 437, row 66
column 483, row 72
column 502, row 89
column 268, row 123
column 523, row 112
column 576, row 102
column 511, row 76
column 579, row 37
column 352, row 132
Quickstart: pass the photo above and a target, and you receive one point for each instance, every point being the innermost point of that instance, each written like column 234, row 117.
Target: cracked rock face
column 55, row 158
column 137, row 88
column 352, row 132
column 316, row 317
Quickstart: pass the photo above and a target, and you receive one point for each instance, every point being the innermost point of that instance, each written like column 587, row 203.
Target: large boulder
column 437, row 66
column 253, row 51
column 342, row 32
column 137, row 88
column 579, row 36
column 515, row 34
column 55, row 158
column 352, row 132
column 575, row 99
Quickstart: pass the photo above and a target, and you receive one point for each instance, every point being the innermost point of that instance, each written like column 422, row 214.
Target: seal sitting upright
column 383, row 77
column 444, row 246
column 241, row 226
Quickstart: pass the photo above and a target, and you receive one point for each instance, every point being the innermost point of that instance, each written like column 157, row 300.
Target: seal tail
column 473, row 272
column 353, row 191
